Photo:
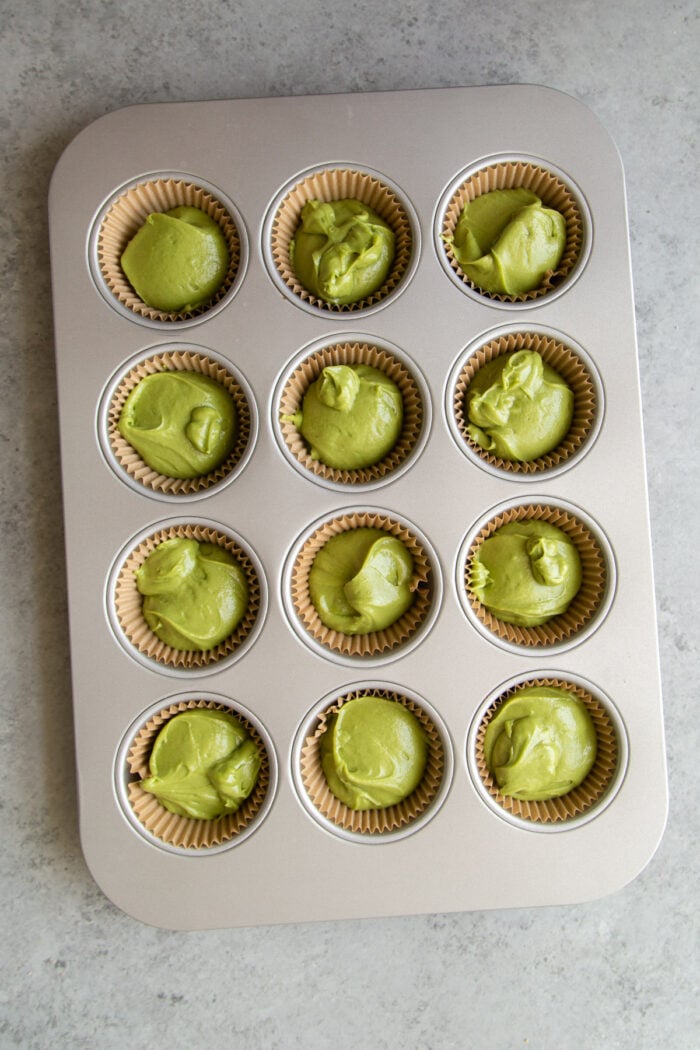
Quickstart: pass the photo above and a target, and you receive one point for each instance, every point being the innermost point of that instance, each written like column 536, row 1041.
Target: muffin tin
column 417, row 150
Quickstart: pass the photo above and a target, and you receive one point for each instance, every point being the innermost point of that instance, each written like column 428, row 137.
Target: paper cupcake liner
column 581, row 798
column 335, row 184
column 128, row 214
column 585, row 603
column 564, row 361
column 128, row 601
column 552, row 192
column 130, row 460
column 362, row 645
column 308, row 371
column 189, row 832
column 372, row 821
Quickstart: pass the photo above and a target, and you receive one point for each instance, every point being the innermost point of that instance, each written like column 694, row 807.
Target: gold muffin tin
column 416, row 155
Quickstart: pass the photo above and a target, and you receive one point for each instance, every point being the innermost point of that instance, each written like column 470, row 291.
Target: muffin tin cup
column 371, row 826
column 587, row 609
column 185, row 835
column 340, row 182
column 125, row 213
column 353, row 350
column 126, row 461
column 580, row 804
column 569, row 361
column 377, row 646
column 554, row 189
column 124, row 601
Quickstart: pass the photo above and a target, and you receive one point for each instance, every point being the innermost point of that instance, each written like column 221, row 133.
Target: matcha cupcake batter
column 342, row 251
column 373, row 753
column 351, row 416
column 506, row 241
column 203, row 764
column 540, row 744
column 360, row 581
column 518, row 407
column 177, row 260
column 194, row 594
column 182, row 424
column 526, row 572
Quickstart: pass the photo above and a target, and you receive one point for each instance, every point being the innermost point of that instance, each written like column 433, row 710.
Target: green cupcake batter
column 360, row 581
column 526, row 572
column 373, row 753
column 177, row 260
column 195, row 594
column 518, row 407
column 182, row 424
column 203, row 764
column 342, row 251
column 541, row 744
column 506, row 241
column 351, row 416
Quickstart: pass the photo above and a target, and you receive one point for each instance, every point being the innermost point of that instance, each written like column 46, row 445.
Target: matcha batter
column 540, row 744
column 177, row 260
column 526, row 572
column 360, row 581
column 343, row 251
column 203, row 764
column 182, row 424
column 195, row 594
column 518, row 407
column 351, row 416
column 506, row 241
column 373, row 753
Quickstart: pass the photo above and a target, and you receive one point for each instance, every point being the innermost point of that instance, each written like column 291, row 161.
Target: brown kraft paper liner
column 372, row 821
column 553, row 194
column 564, row 361
column 128, row 214
column 586, row 601
column 376, row 641
column 351, row 354
column 188, row 831
column 128, row 601
column 128, row 457
column 581, row 798
column 340, row 184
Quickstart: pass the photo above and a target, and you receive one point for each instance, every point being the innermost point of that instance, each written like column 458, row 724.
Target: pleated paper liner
column 177, row 361
column 584, row 605
column 129, row 601
column 189, row 832
column 362, row 645
column 308, row 371
column 335, row 184
column 581, row 798
column 552, row 192
column 568, row 365
column 372, row 821
column 128, row 214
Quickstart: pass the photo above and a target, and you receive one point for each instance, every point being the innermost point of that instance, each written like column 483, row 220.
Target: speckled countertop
column 76, row 972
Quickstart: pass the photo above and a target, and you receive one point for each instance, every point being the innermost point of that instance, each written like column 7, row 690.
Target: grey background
column 76, row 972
